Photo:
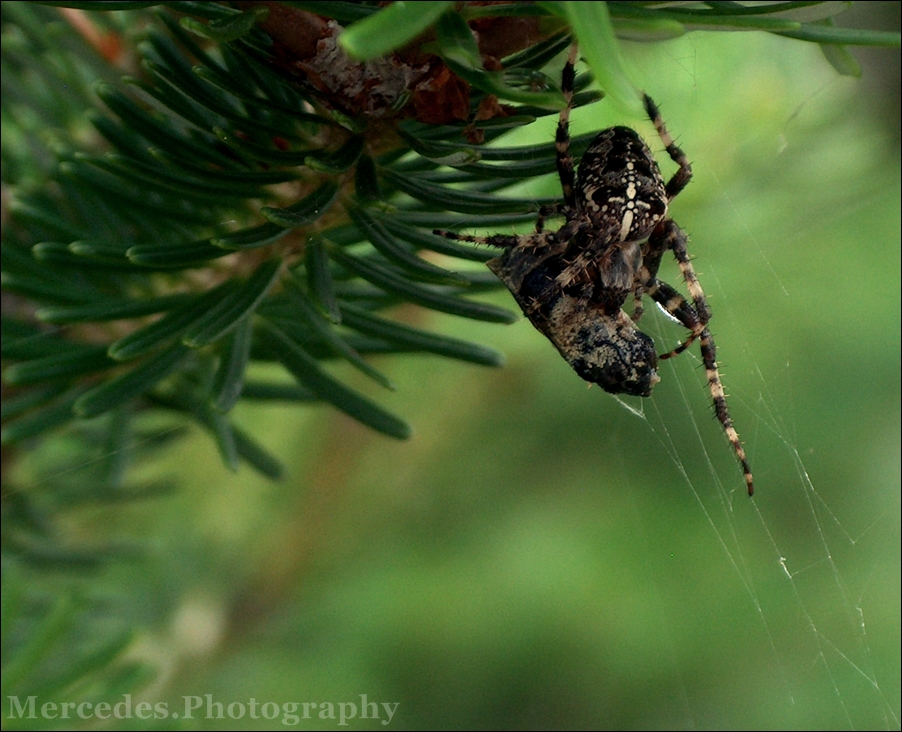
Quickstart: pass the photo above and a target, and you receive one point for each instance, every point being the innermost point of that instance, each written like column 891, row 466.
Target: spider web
column 828, row 572
column 813, row 566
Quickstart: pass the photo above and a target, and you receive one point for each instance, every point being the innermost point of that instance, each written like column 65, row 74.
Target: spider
column 572, row 283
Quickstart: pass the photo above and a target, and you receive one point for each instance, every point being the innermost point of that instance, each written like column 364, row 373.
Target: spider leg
column 720, row 405
column 564, row 163
column 545, row 212
column 562, row 137
column 638, row 307
column 696, row 320
column 646, row 281
column 675, row 305
column 666, row 236
column 682, row 177
column 503, row 241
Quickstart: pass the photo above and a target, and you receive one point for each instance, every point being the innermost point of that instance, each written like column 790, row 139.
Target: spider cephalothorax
column 573, row 283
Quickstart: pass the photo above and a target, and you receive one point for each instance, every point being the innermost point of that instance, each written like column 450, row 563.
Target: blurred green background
column 540, row 556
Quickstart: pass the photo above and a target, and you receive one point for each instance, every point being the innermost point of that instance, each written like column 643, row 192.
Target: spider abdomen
column 585, row 324
column 619, row 186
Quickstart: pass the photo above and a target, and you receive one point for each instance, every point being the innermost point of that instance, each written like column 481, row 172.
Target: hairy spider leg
column 646, row 275
column 557, row 209
column 503, row 241
column 682, row 177
column 564, row 162
column 669, row 236
column 562, row 137
column 666, row 236
column 672, row 302
column 720, row 405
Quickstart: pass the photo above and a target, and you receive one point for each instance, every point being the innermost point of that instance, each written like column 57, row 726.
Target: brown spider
column 572, row 283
